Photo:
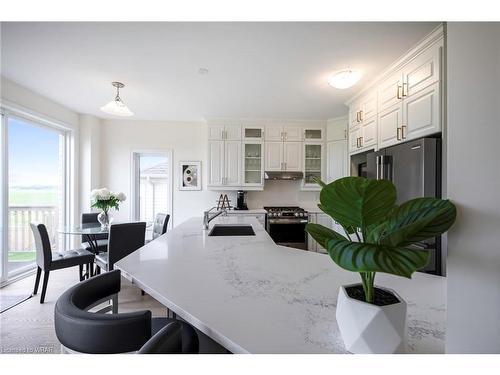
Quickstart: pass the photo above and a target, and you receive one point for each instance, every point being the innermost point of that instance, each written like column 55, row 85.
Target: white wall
column 474, row 186
column 282, row 193
column 90, row 162
column 187, row 140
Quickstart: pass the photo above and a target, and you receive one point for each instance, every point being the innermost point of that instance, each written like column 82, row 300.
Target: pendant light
column 116, row 107
column 344, row 79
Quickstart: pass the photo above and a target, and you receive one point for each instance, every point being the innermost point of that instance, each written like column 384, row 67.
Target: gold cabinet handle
column 398, row 135
column 405, row 89
column 403, row 129
column 360, row 116
column 360, row 141
column 399, row 92
column 357, row 116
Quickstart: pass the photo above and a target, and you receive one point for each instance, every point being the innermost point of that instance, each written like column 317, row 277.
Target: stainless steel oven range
column 286, row 226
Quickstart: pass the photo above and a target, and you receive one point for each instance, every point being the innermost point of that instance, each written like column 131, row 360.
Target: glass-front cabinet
column 253, row 172
column 313, row 164
column 253, row 133
column 313, row 134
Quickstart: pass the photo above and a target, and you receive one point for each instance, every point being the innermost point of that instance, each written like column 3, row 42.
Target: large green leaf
column 357, row 201
column 366, row 257
column 323, row 234
column 417, row 220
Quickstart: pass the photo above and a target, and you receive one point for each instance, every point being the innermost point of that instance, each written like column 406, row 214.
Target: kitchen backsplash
column 282, row 193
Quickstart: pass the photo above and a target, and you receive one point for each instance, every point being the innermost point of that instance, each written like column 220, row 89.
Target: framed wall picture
column 190, row 175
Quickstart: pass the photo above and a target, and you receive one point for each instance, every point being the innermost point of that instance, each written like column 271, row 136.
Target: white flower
column 94, row 193
column 104, row 194
column 121, row 196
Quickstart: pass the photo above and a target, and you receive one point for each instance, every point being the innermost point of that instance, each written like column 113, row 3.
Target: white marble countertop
column 253, row 296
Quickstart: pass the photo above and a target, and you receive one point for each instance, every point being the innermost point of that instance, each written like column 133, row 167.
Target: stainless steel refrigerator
column 415, row 169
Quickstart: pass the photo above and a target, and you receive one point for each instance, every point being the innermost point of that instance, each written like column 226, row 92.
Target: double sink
column 231, row 230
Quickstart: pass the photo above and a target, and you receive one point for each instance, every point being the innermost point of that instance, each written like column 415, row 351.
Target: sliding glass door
column 34, row 189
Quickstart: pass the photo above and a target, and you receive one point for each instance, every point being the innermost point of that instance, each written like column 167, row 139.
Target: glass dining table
column 90, row 232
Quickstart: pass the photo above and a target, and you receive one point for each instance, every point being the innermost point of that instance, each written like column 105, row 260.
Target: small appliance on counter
column 241, row 200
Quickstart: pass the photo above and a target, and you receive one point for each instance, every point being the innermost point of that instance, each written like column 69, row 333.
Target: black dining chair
column 82, row 331
column 123, row 240
column 47, row 260
column 90, row 219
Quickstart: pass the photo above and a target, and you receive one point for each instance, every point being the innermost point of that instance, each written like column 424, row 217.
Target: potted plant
column 104, row 200
column 378, row 235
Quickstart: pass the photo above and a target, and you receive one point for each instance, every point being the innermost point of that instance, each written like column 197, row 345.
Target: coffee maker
column 241, row 200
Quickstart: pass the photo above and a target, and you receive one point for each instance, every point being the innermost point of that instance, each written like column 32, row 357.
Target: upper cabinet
column 314, row 134
column 224, row 132
column 283, row 133
column 252, row 133
column 283, row 156
column 405, row 104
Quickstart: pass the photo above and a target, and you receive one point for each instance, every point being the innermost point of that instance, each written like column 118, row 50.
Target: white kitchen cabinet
column 274, row 156
column 224, row 132
column 283, row 156
column 368, row 133
column 421, row 113
column 253, row 163
column 337, row 160
column 390, row 121
column 422, row 71
column 336, row 129
column 283, row 133
column 252, row 133
column 292, row 156
column 224, row 163
column 322, row 219
column 232, row 161
column 364, row 108
column 273, row 133
column 354, row 135
column 390, row 91
column 216, row 163
column 313, row 134
column 314, row 160
column 292, row 134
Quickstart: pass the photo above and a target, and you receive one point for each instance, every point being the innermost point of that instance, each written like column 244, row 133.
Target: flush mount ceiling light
column 344, row 78
column 116, row 107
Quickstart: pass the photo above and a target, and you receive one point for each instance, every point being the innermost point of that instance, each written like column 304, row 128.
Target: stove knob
column 296, row 214
column 301, row 214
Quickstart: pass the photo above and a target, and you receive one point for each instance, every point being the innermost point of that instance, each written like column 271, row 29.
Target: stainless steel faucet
column 207, row 218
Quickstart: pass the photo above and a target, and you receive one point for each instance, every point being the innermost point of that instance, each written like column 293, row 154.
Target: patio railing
column 20, row 235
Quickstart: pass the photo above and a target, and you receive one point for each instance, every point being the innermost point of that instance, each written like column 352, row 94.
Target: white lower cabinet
column 322, row 219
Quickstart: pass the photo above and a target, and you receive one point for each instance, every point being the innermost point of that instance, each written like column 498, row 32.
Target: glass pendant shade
column 117, row 108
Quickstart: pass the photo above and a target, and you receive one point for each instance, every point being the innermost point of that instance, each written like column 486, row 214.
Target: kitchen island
column 252, row 296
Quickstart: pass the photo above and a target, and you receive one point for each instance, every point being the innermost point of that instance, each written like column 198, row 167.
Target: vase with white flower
column 105, row 200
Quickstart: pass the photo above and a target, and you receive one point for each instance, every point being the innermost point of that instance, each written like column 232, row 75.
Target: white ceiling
column 256, row 70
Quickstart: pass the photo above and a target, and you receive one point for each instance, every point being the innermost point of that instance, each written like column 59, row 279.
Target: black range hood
column 283, row 175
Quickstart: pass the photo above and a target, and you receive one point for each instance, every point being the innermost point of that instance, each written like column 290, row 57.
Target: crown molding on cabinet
column 433, row 37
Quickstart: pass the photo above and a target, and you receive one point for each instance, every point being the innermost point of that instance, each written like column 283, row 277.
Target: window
column 34, row 189
column 152, row 185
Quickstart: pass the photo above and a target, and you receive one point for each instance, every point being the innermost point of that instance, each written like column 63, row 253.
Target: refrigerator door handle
column 377, row 168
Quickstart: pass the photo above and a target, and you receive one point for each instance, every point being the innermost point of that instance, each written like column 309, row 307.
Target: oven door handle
column 287, row 221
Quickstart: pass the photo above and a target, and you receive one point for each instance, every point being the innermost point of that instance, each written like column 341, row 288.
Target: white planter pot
column 367, row 328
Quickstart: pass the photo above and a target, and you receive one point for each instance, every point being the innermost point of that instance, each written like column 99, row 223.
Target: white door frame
column 134, row 183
